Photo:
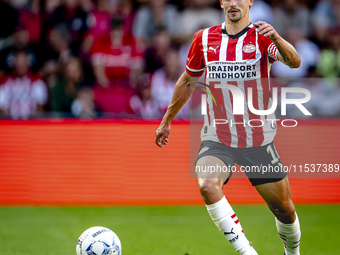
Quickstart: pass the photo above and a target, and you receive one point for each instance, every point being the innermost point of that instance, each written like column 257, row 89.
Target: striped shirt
column 243, row 60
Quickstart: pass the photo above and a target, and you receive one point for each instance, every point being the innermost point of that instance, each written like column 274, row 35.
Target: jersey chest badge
column 249, row 48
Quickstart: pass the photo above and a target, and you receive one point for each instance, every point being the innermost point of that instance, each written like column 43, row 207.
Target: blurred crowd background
column 122, row 58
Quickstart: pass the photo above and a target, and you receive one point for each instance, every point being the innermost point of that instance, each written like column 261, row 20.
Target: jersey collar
column 245, row 30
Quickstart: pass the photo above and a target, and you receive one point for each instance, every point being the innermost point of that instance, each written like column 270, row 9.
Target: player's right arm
column 185, row 85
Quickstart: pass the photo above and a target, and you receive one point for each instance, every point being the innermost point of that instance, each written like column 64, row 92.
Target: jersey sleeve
column 270, row 49
column 195, row 65
column 272, row 53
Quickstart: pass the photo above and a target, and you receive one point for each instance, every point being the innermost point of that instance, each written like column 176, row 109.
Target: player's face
column 235, row 10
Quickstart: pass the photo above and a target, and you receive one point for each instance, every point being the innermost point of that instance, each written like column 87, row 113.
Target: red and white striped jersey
column 243, row 60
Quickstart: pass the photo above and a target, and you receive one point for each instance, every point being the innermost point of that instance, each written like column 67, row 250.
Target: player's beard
column 234, row 17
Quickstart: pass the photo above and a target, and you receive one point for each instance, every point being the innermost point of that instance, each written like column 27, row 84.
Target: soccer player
column 243, row 52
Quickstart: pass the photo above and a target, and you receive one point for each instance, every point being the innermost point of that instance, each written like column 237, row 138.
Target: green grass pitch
column 160, row 230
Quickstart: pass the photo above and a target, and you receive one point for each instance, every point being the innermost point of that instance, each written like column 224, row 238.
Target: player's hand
column 162, row 134
column 266, row 29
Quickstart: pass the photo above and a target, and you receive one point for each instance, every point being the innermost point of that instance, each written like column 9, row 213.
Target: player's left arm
column 286, row 52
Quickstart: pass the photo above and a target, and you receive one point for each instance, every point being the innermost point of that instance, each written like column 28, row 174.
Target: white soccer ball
column 98, row 241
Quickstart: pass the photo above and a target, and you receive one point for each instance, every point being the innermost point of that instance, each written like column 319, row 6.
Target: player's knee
column 285, row 213
column 209, row 186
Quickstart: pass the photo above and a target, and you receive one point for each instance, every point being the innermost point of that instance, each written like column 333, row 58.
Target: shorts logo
column 249, row 48
column 203, row 150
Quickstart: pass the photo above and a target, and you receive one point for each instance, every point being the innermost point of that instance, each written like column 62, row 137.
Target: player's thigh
column 277, row 195
column 213, row 164
column 210, row 168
